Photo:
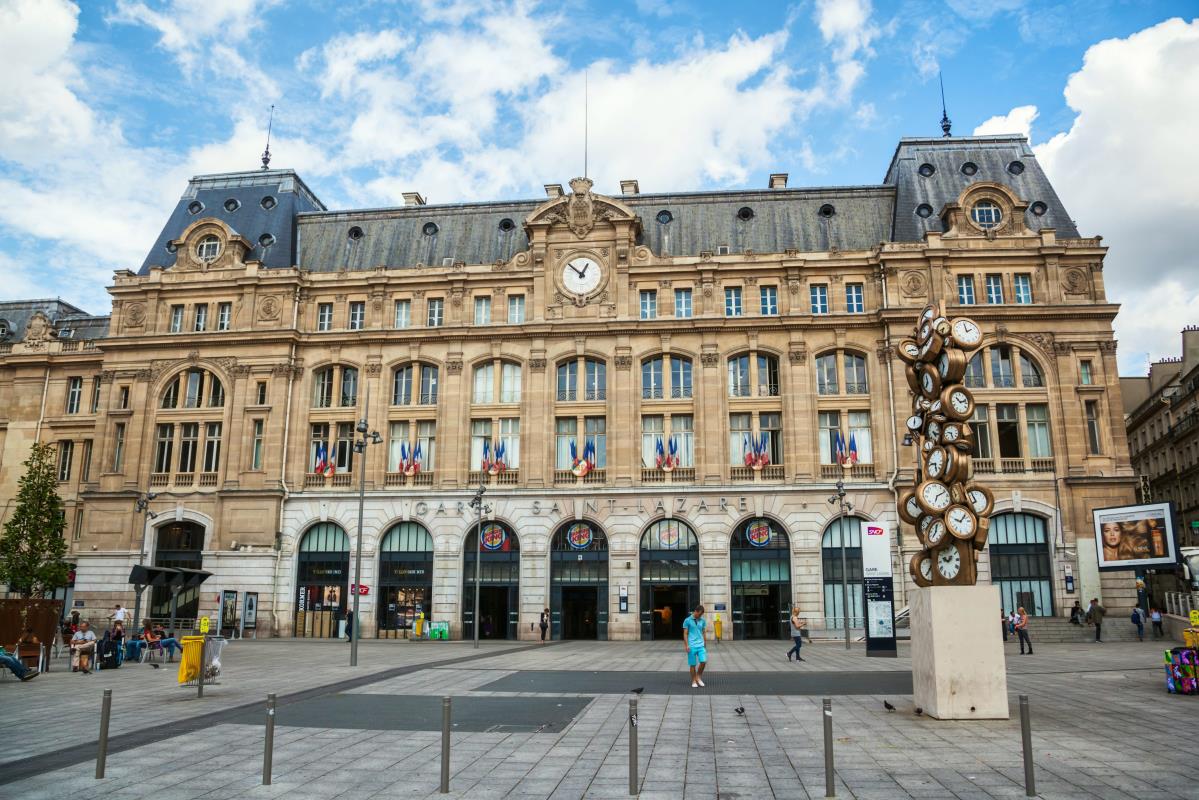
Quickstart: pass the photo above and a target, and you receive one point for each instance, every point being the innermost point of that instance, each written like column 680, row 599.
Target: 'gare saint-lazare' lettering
column 612, row 505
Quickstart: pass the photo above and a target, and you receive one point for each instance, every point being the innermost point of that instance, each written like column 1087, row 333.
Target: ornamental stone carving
column 456, row 296
column 709, row 358
column 913, row 284
column 537, row 364
column 623, row 362
column 374, row 368
column 798, row 354
column 269, row 308
column 1108, row 346
column 453, row 367
column 1075, row 281
column 135, row 315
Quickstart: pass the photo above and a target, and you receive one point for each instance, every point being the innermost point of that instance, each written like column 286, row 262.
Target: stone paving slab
column 715, row 682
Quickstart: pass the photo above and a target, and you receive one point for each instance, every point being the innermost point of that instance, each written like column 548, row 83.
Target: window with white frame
column 212, row 446
column 118, row 447
column 176, row 325
column 74, row 394
column 257, row 445
column 357, row 315
column 769, row 297
column 966, row 290
column 516, row 309
column 682, row 303
column 855, row 302
column 224, row 315
column 483, row 310
column 436, row 315
column 819, row 296
column 732, row 301
column 66, row 451
column 649, row 303
column 208, row 248
column 1022, row 287
column 324, row 317
column 403, row 314
column 201, row 320
column 995, row 289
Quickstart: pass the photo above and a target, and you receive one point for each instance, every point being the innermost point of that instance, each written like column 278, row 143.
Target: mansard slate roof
column 62, row 315
column 315, row 239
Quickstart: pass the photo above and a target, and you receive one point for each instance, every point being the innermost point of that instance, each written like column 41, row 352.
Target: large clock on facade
column 581, row 276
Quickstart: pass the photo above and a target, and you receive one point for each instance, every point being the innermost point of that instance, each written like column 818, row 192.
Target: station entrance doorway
column 499, row 582
column 579, row 582
column 669, row 578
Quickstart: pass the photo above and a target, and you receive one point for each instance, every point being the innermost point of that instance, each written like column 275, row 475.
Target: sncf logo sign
column 872, row 530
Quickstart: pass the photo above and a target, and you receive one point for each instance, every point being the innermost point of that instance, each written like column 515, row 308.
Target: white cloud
column 846, row 26
column 1127, row 169
column 983, row 10
column 1018, row 120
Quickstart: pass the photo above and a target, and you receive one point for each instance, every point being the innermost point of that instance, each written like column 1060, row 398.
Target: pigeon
column 638, row 690
column 888, row 706
column 919, row 711
column 740, row 710
column 154, row 665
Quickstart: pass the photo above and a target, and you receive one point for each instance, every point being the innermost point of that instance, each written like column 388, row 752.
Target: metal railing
column 1181, row 604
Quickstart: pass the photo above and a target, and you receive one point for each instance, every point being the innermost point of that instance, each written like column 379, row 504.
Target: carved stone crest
column 38, row 331
column 580, row 209
column 623, row 362
column 710, row 358
column 135, row 315
column 1075, row 282
column 269, row 308
column 537, row 364
column 913, row 284
column 453, row 367
column 798, row 354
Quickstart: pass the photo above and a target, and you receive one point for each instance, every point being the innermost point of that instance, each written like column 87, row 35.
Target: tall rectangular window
column 260, row 393
column 324, row 317
column 966, row 290
column 739, row 376
column 819, row 295
column 510, row 378
column 343, row 450
column 769, row 296
column 740, row 434
column 436, row 314
column 768, row 376
column 428, row 385
column 1093, row 437
column 1007, row 425
column 224, row 315
column 682, row 431
column 483, row 310
column 123, row 397
column 682, row 303
column 66, row 451
column 118, row 447
column 397, row 444
column 189, row 443
column 649, row 304
column 484, row 384
column 568, row 373
column 95, row 394
column 176, row 319
column 1037, row 417
column 357, row 315
column 1022, row 285
column 975, row 377
column 212, row 446
column 510, row 441
column 516, row 309
column 651, row 379
column 1002, row 376
column 480, row 441
column 995, row 289
column 74, row 394
column 732, row 301
column 680, row 378
column 859, row 436
column 596, row 387
column 595, row 430
column 566, row 433
column 855, row 374
column 980, row 423
column 826, row 374
column 164, row 441
column 426, row 442
column 1085, row 376
column 652, row 432
column 770, row 426
column 830, row 426
column 85, row 464
column 256, row 446
column 319, row 442
column 403, row 314
column 201, row 317
column 855, row 302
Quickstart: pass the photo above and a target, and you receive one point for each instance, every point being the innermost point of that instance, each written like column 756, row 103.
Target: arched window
column 666, row 376
column 669, row 534
column 1019, row 549
column 179, row 545
column 414, row 383
column 208, row 248
column 855, row 374
column 335, row 385
column 842, row 531
column 405, row 577
column 976, row 374
column 484, row 391
column 323, row 569
column 760, row 558
column 325, row 537
column 194, row 388
column 828, row 380
column 407, row 537
column 749, row 369
column 1012, row 435
column 1031, row 376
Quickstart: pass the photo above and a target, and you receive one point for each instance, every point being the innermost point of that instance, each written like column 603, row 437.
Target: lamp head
column 376, row 437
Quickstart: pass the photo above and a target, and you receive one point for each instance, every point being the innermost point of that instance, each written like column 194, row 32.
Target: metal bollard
column 102, row 750
column 830, row 782
column 633, row 747
column 268, row 747
column 1030, row 780
column 445, row 745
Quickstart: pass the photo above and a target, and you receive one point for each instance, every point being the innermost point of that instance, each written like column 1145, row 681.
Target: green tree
column 32, row 545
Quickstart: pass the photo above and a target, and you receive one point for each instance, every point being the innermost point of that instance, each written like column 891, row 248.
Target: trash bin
column 191, row 660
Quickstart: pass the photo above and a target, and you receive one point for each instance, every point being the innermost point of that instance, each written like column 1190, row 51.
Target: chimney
column 630, row 186
column 1190, row 348
column 413, row 199
column 778, row 180
column 553, row 190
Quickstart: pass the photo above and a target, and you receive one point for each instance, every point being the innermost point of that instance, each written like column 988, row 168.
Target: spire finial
column 945, row 123
column 586, row 120
column 266, row 154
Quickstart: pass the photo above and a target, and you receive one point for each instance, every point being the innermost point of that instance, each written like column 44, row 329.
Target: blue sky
column 109, row 106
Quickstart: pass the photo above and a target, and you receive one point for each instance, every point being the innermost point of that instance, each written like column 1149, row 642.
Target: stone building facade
column 701, row 351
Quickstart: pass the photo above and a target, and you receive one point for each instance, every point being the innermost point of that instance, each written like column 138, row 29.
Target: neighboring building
column 1161, row 411
column 722, row 324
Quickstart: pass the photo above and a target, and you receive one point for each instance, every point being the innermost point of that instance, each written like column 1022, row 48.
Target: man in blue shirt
column 695, row 629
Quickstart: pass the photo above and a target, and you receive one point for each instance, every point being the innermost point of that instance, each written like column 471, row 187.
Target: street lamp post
column 142, row 506
column 369, row 437
column 845, row 508
column 477, row 504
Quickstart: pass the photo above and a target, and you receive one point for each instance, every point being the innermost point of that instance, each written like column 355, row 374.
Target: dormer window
column 986, row 214
column 208, row 248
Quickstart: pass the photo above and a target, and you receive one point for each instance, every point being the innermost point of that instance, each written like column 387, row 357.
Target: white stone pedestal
column 958, row 669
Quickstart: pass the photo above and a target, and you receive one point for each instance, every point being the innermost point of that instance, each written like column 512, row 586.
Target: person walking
column 797, row 626
column 1022, row 630
column 1155, row 616
column 1138, row 619
column 545, row 623
column 695, row 629
column 1095, row 617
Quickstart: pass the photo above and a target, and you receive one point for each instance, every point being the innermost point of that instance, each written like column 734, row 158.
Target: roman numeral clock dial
column 581, row 276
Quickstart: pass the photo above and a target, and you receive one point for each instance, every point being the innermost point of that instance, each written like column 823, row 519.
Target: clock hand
column 575, row 271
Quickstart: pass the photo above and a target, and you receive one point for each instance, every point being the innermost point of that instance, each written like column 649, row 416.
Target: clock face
column 909, row 509
column 934, row 429
column 966, row 333
column 930, row 381
column 958, row 402
column 951, row 433
column 951, row 365
column 921, row 567
column 949, row 561
column 932, row 345
column 935, row 464
column 961, row 522
column 981, row 500
column 933, row 497
column 935, row 533
column 908, row 350
column 581, row 275
column 915, row 423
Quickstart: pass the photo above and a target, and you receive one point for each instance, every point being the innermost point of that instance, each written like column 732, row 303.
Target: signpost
column 878, row 587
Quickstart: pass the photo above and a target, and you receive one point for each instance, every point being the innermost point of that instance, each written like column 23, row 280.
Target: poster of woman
column 1135, row 537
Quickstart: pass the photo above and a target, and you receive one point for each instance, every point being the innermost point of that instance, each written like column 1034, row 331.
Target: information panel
column 878, row 589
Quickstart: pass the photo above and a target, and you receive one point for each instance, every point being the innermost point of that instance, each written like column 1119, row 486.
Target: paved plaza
column 550, row 722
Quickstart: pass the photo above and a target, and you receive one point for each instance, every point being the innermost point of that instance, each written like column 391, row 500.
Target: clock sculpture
column 951, row 513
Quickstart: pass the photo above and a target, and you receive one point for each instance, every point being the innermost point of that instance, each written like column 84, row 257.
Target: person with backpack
column 1155, row 616
column 1138, row 619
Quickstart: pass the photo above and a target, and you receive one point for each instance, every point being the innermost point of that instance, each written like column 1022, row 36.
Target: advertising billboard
column 1135, row 537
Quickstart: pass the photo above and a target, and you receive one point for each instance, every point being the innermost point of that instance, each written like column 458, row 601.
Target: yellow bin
column 192, row 658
